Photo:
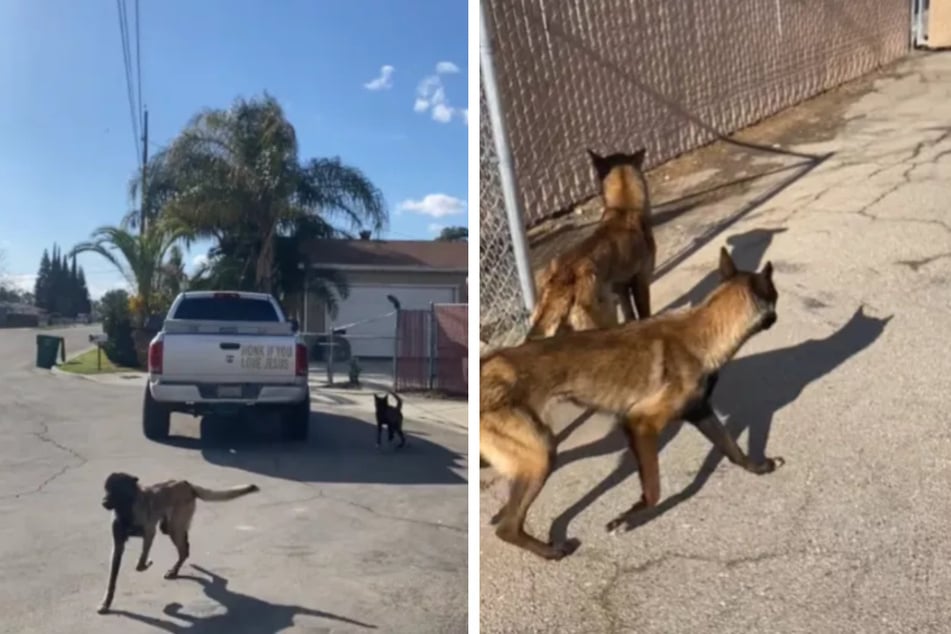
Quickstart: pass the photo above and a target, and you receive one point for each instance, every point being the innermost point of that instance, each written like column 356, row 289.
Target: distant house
column 18, row 315
column 415, row 272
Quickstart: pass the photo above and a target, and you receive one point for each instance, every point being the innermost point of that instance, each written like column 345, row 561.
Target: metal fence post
column 506, row 171
column 396, row 349
column 431, row 347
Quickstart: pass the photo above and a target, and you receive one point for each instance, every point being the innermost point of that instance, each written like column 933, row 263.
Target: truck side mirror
column 294, row 325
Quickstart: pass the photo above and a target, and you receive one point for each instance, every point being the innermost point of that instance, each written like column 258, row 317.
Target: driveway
column 342, row 537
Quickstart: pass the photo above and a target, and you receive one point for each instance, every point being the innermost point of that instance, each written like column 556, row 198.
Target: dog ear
column 600, row 164
column 638, row 158
column 727, row 267
column 767, row 271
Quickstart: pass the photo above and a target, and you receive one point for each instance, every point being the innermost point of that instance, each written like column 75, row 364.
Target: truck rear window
column 226, row 308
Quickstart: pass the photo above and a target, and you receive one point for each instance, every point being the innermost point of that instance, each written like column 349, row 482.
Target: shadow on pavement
column 242, row 613
column 340, row 449
column 751, row 390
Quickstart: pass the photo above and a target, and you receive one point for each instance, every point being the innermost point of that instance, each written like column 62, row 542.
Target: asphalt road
column 852, row 387
column 341, row 538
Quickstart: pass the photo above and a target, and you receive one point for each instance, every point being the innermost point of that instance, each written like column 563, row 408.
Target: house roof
column 441, row 255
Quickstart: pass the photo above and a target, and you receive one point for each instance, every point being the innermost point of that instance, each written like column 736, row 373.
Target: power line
column 127, row 63
column 138, row 59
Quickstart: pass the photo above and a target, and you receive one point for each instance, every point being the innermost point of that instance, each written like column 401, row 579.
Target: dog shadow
column 751, row 390
column 243, row 613
column 339, row 449
column 747, row 250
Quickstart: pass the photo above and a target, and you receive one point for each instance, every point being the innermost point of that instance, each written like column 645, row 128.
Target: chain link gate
column 503, row 318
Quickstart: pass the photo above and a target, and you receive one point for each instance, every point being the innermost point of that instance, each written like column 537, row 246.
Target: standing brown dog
column 649, row 373
column 138, row 510
column 580, row 287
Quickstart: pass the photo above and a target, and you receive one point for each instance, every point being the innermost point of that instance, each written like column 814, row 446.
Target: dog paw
column 171, row 574
column 770, row 464
column 142, row 567
column 560, row 550
column 103, row 608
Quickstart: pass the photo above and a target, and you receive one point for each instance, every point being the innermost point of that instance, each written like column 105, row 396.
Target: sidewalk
column 849, row 387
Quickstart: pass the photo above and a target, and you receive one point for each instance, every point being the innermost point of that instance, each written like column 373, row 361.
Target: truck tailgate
column 234, row 358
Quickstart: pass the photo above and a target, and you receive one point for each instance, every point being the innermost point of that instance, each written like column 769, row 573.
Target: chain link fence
column 503, row 318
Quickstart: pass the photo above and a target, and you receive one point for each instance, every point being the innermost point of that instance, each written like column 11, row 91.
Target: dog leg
column 118, row 547
column 379, row 432
column 530, row 455
column 623, row 293
column 180, row 539
column 642, row 438
column 148, row 535
column 702, row 417
column 399, row 431
column 641, row 289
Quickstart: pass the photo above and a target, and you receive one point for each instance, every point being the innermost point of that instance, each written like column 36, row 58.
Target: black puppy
column 389, row 415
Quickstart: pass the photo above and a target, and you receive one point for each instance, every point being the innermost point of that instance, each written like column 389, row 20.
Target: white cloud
column 431, row 96
column 435, row 205
column 442, row 113
column 384, row 81
column 22, row 282
column 435, row 227
column 446, row 68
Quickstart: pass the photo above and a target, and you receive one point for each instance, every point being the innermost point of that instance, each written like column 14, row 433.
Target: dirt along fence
column 615, row 75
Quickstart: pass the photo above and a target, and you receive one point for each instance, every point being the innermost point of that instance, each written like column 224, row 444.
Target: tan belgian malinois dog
column 648, row 373
column 580, row 288
column 139, row 510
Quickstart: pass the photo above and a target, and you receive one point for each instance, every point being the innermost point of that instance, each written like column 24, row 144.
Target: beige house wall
column 316, row 313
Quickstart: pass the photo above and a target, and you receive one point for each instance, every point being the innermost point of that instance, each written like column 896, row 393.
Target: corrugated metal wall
column 669, row 75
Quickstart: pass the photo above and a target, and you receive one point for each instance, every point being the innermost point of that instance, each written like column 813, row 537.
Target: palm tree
column 235, row 176
column 139, row 257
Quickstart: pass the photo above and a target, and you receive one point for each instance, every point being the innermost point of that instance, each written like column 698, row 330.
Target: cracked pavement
column 850, row 388
column 341, row 537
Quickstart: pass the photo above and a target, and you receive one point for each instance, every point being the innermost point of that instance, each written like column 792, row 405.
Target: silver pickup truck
column 221, row 352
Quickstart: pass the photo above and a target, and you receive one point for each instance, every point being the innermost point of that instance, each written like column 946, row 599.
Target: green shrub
column 117, row 324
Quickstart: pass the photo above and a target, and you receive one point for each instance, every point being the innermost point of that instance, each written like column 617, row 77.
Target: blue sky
column 383, row 85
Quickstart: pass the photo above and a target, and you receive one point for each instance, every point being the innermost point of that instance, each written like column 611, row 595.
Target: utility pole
column 145, row 162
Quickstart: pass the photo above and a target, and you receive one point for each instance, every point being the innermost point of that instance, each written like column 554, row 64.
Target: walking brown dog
column 138, row 510
column 648, row 373
column 579, row 287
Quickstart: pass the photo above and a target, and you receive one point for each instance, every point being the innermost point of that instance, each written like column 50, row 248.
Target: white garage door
column 376, row 338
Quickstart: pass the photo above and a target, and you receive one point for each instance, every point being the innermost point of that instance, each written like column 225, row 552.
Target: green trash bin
column 47, row 348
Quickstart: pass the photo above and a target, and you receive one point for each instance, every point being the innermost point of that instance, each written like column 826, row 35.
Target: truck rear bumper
column 205, row 394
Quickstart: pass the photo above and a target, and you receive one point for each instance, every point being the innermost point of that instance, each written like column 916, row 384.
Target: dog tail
column 223, row 495
column 562, row 287
column 399, row 401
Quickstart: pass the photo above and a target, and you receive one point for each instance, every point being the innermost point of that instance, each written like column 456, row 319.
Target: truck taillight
column 155, row 357
column 300, row 360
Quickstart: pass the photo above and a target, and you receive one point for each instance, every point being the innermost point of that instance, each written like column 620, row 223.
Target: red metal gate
column 432, row 349
column 452, row 348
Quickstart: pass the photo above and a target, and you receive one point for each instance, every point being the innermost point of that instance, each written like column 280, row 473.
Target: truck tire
column 295, row 421
column 155, row 417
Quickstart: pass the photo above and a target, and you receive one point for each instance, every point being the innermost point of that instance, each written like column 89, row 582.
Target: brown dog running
column 138, row 510
column 649, row 373
column 579, row 288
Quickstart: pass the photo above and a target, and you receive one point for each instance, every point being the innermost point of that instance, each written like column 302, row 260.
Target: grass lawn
column 86, row 364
